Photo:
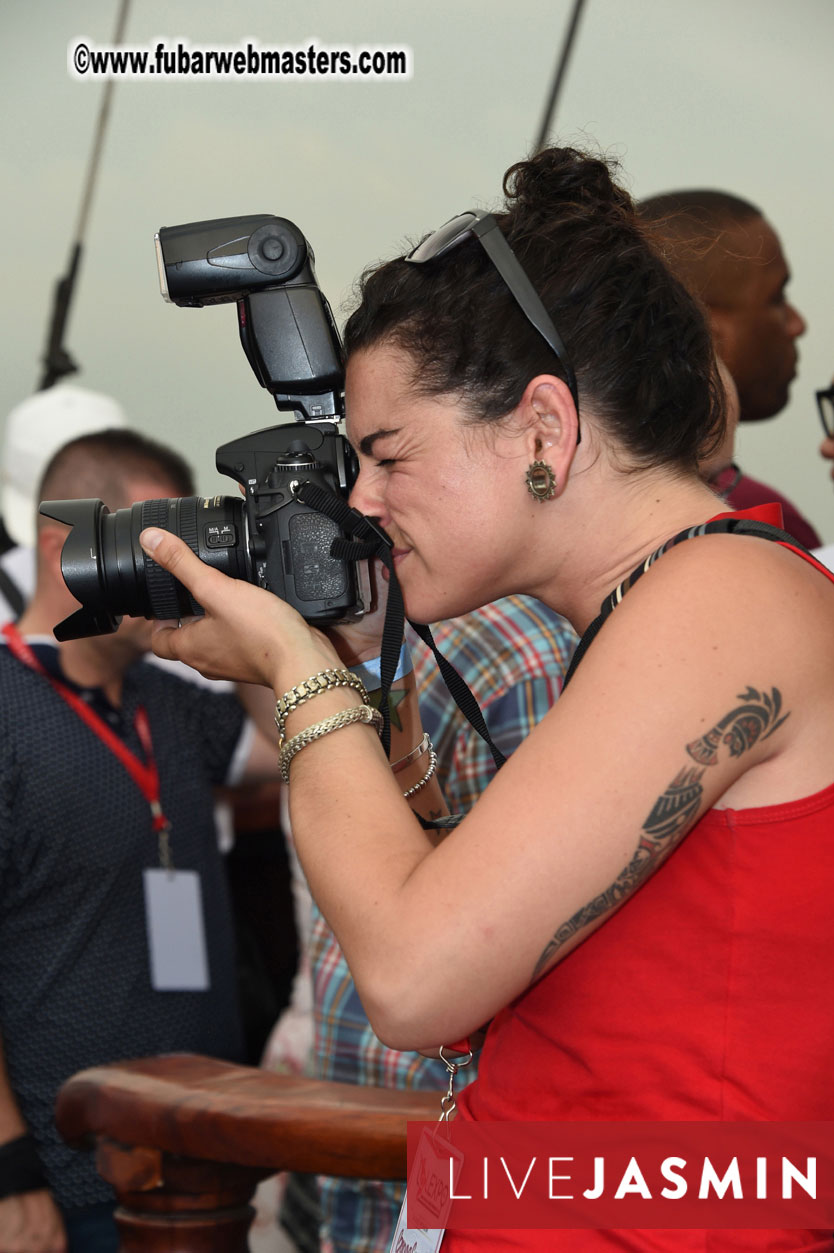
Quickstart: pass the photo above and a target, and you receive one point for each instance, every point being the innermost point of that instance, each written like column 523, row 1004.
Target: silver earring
column 541, row 481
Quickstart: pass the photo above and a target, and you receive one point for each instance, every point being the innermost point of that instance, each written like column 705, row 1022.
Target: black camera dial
column 278, row 249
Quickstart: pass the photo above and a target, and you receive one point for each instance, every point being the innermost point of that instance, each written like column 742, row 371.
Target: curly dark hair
column 639, row 344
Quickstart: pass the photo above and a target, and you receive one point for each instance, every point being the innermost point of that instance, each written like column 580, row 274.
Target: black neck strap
column 371, row 541
column 463, row 697
column 720, row 526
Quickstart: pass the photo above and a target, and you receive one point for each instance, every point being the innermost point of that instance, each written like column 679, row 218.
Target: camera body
column 265, row 265
column 288, row 542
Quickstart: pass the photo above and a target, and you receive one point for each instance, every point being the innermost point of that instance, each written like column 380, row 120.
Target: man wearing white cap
column 35, row 429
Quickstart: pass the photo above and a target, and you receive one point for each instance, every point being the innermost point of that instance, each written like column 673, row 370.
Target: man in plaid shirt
column 513, row 654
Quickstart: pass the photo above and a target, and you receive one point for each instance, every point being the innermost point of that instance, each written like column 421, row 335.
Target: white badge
column 430, row 1179
column 414, row 1239
column 176, row 935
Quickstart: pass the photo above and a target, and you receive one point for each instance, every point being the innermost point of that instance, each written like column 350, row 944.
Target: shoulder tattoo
column 674, row 812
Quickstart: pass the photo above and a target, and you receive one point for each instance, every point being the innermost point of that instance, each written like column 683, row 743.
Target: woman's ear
column 550, row 423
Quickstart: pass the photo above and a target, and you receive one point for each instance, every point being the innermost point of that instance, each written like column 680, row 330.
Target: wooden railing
column 184, row 1141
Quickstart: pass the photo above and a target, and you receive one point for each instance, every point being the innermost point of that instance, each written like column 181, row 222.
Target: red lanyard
column 144, row 774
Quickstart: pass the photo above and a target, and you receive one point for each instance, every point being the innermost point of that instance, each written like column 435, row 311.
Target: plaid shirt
column 513, row 655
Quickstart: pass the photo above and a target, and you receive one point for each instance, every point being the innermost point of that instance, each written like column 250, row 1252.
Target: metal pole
column 561, row 69
column 57, row 361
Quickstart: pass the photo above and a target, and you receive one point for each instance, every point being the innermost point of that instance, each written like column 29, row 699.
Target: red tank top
column 709, row 995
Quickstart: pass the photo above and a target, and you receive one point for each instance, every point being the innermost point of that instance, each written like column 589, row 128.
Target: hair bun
column 639, row 348
column 556, row 178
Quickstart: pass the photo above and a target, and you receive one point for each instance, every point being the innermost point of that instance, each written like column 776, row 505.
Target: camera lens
column 106, row 569
column 212, row 528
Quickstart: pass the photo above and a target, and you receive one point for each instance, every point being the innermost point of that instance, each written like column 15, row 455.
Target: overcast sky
column 729, row 93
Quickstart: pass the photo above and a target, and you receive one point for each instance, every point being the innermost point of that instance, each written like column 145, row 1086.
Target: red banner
column 709, row 1175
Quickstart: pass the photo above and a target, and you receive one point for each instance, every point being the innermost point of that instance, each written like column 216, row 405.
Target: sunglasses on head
column 486, row 230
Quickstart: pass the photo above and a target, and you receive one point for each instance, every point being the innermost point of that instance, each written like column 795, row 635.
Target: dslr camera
column 269, row 536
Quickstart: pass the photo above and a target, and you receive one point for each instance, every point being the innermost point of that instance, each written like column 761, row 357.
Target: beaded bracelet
column 421, row 783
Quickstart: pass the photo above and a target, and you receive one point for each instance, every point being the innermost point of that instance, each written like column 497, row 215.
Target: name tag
column 176, row 931
column 429, row 1178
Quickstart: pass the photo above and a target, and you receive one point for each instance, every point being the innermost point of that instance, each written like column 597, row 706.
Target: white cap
column 35, row 430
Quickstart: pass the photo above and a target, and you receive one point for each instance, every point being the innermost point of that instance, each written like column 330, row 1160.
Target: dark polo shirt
column 75, row 837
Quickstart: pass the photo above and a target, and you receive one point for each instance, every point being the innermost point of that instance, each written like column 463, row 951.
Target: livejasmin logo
column 708, row 1175
column 632, row 1181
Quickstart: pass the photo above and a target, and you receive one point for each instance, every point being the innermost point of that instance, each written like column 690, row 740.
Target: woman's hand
column 361, row 640
column 247, row 634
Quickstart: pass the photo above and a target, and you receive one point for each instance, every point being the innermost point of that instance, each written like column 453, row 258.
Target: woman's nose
column 365, row 496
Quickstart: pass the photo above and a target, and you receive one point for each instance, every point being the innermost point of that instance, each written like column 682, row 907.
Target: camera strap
column 372, row 541
column 460, row 690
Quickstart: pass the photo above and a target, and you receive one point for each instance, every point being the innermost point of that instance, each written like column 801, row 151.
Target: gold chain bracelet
column 324, row 681
column 344, row 718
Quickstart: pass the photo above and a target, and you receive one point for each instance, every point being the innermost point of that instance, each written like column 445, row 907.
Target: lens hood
column 82, row 567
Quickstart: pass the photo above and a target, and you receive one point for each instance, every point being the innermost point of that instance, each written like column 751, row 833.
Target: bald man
column 730, row 257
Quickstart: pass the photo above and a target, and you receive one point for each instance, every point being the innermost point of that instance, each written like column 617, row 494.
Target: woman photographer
column 645, row 887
